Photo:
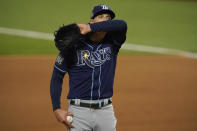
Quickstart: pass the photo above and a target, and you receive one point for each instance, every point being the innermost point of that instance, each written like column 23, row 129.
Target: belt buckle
column 90, row 105
column 99, row 103
column 95, row 107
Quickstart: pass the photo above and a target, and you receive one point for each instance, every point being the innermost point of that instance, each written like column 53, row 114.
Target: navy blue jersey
column 92, row 75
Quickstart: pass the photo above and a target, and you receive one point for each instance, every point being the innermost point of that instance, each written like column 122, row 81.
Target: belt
column 95, row 105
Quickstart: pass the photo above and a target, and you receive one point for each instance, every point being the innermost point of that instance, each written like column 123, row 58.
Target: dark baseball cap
column 99, row 9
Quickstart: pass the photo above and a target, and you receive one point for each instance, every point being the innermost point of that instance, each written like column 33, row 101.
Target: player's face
column 100, row 18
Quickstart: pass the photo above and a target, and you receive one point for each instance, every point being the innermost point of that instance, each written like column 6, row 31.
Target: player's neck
column 97, row 36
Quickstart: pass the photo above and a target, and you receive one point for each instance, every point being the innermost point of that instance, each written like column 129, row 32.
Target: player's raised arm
column 115, row 30
column 109, row 26
column 104, row 26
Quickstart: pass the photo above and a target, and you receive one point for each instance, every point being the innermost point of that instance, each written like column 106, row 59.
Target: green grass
column 127, row 52
column 160, row 23
column 11, row 45
column 170, row 24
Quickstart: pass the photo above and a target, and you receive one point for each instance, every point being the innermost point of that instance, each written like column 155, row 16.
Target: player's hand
column 61, row 117
column 84, row 28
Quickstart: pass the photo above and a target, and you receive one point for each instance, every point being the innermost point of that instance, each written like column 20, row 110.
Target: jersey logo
column 93, row 59
column 59, row 60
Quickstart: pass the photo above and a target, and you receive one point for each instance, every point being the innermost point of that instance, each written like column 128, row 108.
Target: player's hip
column 102, row 119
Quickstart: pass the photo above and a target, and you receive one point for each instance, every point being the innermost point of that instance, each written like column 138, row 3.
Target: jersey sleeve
column 56, row 88
column 56, row 81
column 116, row 30
column 117, row 38
column 109, row 26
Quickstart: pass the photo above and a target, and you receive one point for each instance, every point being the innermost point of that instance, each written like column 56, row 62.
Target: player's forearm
column 109, row 26
column 56, row 88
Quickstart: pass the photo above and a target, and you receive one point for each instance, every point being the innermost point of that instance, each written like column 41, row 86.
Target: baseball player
column 91, row 77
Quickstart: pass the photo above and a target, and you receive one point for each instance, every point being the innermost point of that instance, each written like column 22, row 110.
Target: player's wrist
column 88, row 28
column 56, row 108
column 84, row 28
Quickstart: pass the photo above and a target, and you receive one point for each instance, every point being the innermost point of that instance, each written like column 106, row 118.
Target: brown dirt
column 152, row 93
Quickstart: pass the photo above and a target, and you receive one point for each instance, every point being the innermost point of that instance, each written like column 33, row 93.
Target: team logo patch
column 59, row 60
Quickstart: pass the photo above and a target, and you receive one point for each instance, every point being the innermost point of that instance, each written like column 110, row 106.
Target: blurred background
column 159, row 23
column 153, row 91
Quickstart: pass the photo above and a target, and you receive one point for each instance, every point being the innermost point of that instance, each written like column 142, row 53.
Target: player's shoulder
column 60, row 63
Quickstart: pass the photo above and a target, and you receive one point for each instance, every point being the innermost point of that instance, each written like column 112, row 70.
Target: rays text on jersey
column 93, row 58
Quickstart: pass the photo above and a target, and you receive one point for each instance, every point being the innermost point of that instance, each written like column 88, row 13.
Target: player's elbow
column 123, row 25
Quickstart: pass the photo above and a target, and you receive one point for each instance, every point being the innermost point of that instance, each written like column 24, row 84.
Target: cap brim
column 112, row 14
